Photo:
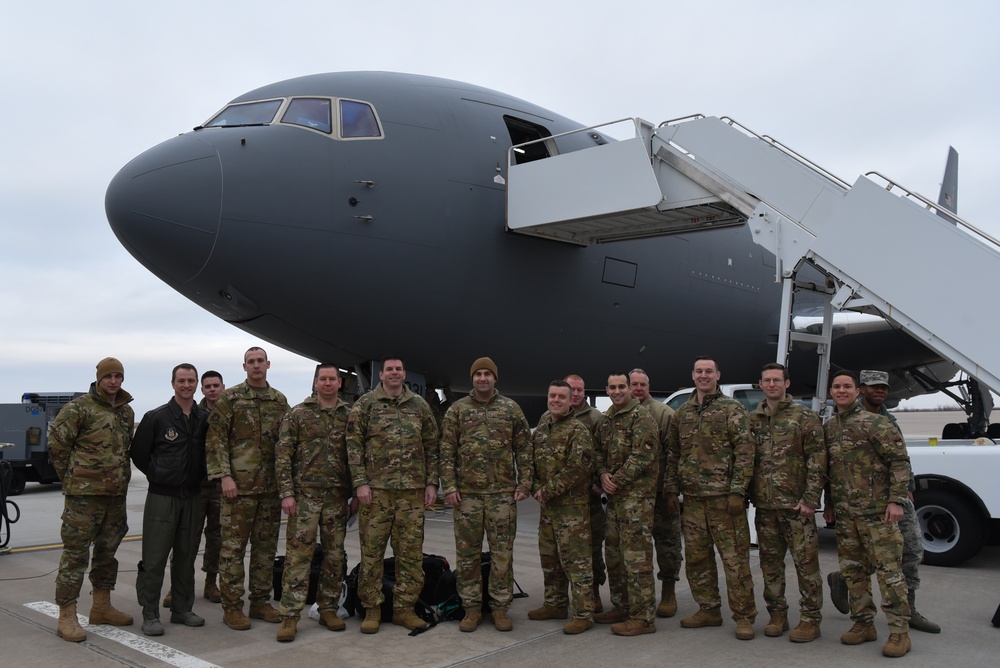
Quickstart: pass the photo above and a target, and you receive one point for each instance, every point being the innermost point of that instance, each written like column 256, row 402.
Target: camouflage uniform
column 392, row 446
column 666, row 528
column 88, row 446
column 789, row 468
column 909, row 526
column 710, row 456
column 485, row 455
column 311, row 466
column 628, row 450
column 591, row 417
column 868, row 469
column 242, row 430
column 211, row 507
column 563, row 456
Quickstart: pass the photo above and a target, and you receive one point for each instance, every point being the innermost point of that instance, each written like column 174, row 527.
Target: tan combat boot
column 408, row 618
column 547, row 612
column 286, row 632
column 633, row 627
column 212, row 592
column 373, row 617
column 501, row 622
column 265, row 612
column 897, row 645
column 69, row 628
column 168, row 599
column 668, row 601
column 330, row 620
column 471, row 621
column 805, row 632
column 744, row 629
column 235, row 619
column 577, row 625
column 860, row 633
column 612, row 616
column 102, row 612
column 701, row 619
column 777, row 625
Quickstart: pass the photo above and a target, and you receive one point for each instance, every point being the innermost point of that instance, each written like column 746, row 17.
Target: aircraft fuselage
column 348, row 250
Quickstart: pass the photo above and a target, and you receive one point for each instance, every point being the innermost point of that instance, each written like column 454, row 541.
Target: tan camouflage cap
column 871, row 377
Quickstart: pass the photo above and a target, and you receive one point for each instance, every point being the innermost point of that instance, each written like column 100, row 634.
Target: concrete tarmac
column 961, row 599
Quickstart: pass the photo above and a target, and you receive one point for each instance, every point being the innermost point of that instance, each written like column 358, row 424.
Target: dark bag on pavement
column 436, row 569
column 314, row 571
column 450, row 604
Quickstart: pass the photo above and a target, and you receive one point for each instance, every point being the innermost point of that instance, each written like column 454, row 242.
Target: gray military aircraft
column 347, row 216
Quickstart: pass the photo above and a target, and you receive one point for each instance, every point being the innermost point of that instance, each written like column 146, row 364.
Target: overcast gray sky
column 854, row 86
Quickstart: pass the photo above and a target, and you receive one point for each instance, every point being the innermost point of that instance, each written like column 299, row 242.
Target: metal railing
column 891, row 185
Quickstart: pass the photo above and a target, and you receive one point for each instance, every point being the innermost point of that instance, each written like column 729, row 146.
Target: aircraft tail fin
column 948, row 198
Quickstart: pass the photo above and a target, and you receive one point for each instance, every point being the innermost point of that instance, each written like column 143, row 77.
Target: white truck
column 957, row 499
column 747, row 394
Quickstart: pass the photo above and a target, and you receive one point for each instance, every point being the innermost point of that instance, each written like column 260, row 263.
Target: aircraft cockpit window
column 358, row 120
column 309, row 112
column 247, row 113
column 522, row 131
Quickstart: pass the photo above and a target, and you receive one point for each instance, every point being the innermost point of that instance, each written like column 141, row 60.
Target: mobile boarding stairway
column 879, row 245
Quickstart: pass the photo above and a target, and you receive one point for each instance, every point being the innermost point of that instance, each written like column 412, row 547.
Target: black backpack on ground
column 436, row 570
column 314, row 570
column 450, row 604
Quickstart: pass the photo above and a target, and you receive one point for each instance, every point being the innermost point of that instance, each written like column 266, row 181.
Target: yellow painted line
column 57, row 546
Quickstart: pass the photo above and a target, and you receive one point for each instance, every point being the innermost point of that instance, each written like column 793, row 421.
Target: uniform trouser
column 666, row 540
column 598, row 530
column 253, row 518
column 495, row 516
column 866, row 543
column 913, row 546
column 563, row 537
column 89, row 520
column 211, row 505
column 323, row 511
column 781, row 530
column 630, row 554
column 708, row 525
column 396, row 514
column 168, row 523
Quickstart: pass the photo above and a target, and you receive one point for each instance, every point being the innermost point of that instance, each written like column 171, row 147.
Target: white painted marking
column 139, row 643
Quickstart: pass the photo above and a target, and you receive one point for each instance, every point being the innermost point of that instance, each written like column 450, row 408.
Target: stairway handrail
column 938, row 208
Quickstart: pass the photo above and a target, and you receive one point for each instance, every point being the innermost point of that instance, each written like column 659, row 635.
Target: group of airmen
column 609, row 486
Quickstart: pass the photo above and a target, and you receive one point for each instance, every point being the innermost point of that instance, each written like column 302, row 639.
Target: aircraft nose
column 164, row 207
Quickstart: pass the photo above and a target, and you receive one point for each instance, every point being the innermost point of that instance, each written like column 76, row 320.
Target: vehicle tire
column 951, row 527
column 17, row 482
column 955, row 430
